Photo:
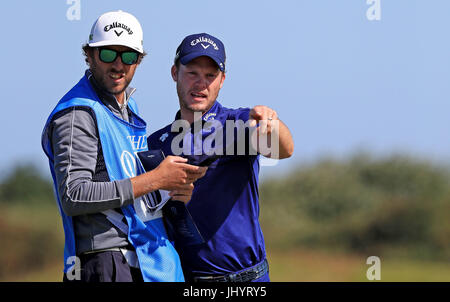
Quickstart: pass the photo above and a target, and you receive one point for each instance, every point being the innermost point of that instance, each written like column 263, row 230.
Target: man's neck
column 190, row 116
column 120, row 97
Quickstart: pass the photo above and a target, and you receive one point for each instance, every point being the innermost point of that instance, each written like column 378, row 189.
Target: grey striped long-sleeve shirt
column 82, row 179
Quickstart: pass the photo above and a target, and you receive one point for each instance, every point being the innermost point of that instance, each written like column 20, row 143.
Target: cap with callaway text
column 117, row 28
column 203, row 44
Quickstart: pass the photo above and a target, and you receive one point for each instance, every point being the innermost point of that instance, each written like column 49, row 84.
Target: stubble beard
column 192, row 108
column 100, row 79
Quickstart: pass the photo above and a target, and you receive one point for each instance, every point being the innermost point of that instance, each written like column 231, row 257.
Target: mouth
column 116, row 77
column 198, row 96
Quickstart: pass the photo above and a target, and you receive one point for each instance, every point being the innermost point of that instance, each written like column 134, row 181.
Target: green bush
column 363, row 204
column 24, row 185
column 30, row 227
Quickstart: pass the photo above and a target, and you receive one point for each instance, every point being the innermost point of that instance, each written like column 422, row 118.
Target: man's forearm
column 285, row 141
column 280, row 135
column 144, row 183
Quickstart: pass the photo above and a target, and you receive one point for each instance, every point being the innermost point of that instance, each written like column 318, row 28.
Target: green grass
column 308, row 266
column 300, row 265
column 51, row 272
column 34, row 240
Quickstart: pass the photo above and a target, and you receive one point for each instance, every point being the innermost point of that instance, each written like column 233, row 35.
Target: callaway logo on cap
column 117, row 28
column 197, row 45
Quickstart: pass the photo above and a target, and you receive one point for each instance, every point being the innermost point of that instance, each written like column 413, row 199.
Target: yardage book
column 179, row 223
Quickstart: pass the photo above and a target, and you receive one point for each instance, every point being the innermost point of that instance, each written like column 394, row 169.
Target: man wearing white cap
column 111, row 208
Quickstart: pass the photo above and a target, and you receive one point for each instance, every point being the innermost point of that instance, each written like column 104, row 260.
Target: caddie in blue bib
column 120, row 142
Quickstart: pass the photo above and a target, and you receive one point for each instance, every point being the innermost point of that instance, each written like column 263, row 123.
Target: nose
column 117, row 64
column 201, row 83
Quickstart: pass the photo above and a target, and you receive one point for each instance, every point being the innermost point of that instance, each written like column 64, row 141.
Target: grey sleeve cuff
column 125, row 189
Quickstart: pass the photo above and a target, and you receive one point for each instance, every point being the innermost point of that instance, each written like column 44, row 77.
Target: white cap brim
column 115, row 42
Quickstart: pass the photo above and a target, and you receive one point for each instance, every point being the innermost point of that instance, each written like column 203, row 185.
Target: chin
column 196, row 107
column 117, row 90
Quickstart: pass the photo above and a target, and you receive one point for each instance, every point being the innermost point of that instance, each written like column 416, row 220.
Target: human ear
column 174, row 72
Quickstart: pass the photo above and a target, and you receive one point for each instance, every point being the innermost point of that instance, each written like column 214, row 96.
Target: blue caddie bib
column 120, row 142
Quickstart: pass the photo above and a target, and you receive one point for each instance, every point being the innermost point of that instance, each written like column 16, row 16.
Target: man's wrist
column 145, row 183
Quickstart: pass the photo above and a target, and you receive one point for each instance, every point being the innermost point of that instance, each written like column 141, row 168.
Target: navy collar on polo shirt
column 215, row 108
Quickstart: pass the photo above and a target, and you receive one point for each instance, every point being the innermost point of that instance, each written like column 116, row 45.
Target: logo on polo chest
column 209, row 116
column 163, row 137
column 118, row 26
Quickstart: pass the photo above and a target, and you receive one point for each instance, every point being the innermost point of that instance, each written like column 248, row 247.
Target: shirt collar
column 208, row 115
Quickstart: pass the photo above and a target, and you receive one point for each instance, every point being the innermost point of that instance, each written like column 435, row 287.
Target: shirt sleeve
column 240, row 114
column 76, row 150
column 241, row 144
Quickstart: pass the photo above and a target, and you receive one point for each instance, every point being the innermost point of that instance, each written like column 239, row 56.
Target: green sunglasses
column 107, row 55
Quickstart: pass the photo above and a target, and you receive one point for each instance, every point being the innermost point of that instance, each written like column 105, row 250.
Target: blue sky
column 339, row 81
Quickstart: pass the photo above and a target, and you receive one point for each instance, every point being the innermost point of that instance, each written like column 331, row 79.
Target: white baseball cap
column 117, row 28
